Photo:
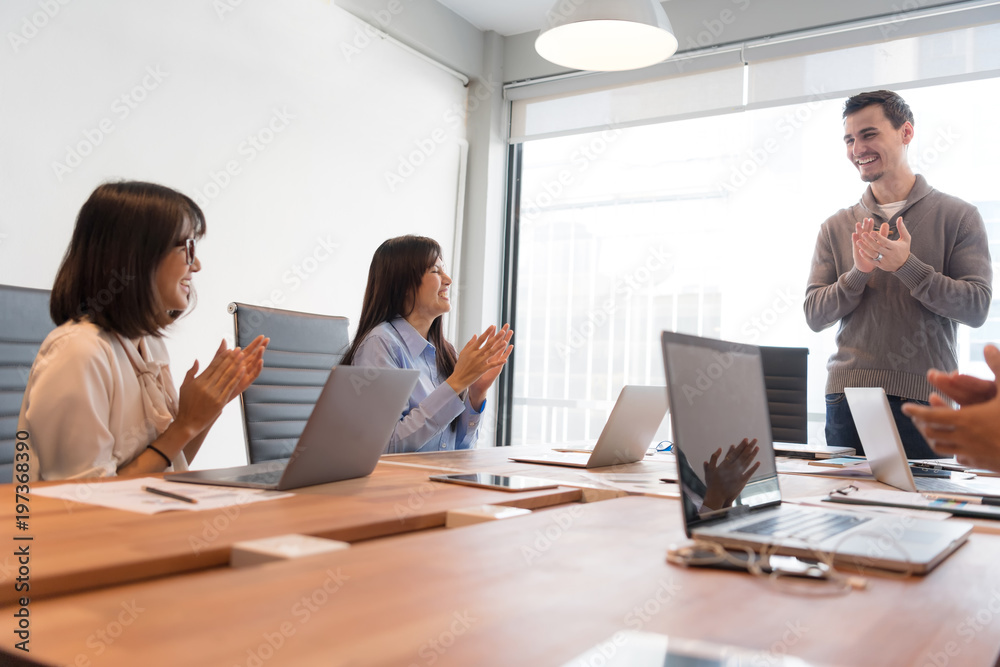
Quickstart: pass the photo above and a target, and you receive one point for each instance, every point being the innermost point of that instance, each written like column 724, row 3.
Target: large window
column 704, row 225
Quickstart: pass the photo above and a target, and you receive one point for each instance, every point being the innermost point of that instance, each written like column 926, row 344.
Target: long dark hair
column 123, row 232
column 397, row 269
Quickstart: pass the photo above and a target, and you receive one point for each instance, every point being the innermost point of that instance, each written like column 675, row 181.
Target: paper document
column 921, row 501
column 130, row 495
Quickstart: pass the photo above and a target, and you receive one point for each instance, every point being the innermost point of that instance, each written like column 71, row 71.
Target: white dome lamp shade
column 606, row 35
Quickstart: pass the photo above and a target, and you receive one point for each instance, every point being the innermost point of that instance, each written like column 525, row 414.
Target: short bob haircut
column 123, row 232
column 396, row 271
column 896, row 110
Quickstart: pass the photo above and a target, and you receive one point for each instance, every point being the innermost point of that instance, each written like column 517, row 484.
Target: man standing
column 899, row 269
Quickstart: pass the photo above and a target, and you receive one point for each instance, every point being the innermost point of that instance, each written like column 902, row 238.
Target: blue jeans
column 840, row 430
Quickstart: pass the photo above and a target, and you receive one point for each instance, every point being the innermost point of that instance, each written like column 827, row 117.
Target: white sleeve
column 67, row 407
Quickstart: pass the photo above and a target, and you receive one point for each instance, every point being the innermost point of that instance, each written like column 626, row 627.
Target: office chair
column 24, row 324
column 303, row 349
column 785, row 379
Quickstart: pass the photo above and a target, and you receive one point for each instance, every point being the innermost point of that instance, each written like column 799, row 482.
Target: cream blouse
column 94, row 402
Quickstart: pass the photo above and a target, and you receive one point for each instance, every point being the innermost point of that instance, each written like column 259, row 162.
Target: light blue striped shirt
column 425, row 425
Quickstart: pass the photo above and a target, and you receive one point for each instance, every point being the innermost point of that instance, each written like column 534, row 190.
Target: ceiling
column 506, row 17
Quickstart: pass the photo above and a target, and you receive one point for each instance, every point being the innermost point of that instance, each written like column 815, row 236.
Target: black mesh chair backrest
column 786, row 378
column 24, row 324
column 303, row 349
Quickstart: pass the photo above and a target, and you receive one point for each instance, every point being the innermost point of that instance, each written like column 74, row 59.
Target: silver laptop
column 346, row 433
column 637, row 414
column 729, row 489
column 884, row 448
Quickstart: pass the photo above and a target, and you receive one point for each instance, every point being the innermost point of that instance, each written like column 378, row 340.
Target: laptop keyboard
column 809, row 526
column 270, row 477
column 943, row 485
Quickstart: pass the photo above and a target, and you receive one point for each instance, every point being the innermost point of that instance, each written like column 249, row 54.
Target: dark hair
column 896, row 110
column 123, row 232
column 397, row 269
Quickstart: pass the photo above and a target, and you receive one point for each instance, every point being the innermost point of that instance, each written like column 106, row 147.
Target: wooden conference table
column 534, row 590
column 78, row 546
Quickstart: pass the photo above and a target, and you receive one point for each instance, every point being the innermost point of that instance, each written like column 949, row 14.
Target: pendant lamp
column 606, row 35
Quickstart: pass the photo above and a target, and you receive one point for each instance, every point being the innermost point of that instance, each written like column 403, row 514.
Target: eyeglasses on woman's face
column 188, row 245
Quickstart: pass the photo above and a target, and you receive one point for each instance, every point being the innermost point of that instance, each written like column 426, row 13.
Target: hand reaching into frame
column 972, row 432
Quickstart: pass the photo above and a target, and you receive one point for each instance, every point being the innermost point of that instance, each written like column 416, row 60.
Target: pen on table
column 972, row 500
column 168, row 494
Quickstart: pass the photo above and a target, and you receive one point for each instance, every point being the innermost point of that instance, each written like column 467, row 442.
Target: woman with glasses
column 400, row 327
column 100, row 399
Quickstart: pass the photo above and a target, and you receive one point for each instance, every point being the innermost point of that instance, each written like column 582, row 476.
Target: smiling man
column 899, row 270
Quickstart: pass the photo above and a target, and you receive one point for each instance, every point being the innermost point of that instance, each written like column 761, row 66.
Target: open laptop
column 346, row 433
column 884, row 448
column 717, row 399
column 637, row 414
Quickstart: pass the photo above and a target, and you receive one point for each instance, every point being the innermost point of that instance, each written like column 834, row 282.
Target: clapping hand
column 725, row 479
column 972, row 433
column 485, row 353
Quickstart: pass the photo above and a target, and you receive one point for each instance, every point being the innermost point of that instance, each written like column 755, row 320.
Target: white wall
column 304, row 109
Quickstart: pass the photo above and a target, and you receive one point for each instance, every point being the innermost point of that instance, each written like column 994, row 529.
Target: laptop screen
column 721, row 426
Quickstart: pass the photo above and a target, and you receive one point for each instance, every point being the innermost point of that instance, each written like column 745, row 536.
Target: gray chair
column 303, row 349
column 24, row 324
column 786, row 380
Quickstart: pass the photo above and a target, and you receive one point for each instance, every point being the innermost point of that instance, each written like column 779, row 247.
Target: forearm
column 425, row 420
column 966, row 300
column 192, row 448
column 827, row 304
column 172, row 441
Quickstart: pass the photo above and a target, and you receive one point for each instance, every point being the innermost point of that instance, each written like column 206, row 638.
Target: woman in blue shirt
column 400, row 327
